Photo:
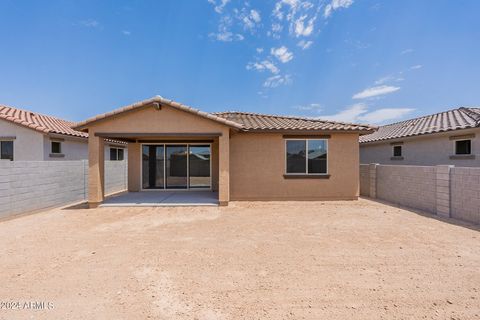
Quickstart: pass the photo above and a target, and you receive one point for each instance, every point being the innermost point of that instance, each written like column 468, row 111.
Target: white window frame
column 462, row 154
column 306, row 158
column 51, row 146
column 12, row 140
column 393, row 150
column 116, row 148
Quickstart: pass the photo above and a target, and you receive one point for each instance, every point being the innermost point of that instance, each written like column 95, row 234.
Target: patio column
column 134, row 167
column 96, row 169
column 224, row 168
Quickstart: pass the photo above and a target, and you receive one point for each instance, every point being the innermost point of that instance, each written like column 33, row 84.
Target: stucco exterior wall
column 28, row 143
column 257, row 166
column 74, row 149
column 428, row 150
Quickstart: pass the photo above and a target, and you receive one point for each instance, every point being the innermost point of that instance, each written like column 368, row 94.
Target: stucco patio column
column 96, row 170
column 224, row 169
column 134, row 167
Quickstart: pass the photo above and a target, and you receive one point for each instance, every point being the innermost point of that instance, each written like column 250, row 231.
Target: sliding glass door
column 153, row 162
column 176, row 166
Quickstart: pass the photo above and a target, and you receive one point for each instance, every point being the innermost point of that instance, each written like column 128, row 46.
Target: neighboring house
column 450, row 137
column 245, row 156
column 29, row 136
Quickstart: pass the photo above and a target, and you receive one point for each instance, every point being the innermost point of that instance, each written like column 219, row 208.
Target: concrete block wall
column 407, row 185
column 33, row 185
column 444, row 190
column 465, row 194
column 115, row 176
column 364, row 180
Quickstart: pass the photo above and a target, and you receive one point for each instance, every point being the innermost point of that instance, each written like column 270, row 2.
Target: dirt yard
column 313, row 260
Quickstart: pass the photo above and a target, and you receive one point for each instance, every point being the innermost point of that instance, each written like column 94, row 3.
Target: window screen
column 463, row 147
column 7, row 150
column 56, row 147
column 397, row 151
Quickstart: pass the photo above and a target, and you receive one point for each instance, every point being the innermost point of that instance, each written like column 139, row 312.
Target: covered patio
column 162, row 199
column 176, row 155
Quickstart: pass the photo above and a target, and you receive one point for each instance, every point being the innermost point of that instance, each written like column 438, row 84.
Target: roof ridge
column 292, row 117
column 36, row 113
column 472, row 114
column 421, row 117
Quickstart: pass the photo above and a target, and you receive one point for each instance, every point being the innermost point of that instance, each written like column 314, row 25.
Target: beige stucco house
column 243, row 156
column 446, row 138
column 30, row 136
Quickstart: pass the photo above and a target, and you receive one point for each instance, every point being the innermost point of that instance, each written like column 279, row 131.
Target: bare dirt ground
column 293, row 260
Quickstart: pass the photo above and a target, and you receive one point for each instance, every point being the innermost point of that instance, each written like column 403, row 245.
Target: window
column 463, row 147
column 56, row 147
column 397, row 151
column 116, row 154
column 6, row 150
column 306, row 156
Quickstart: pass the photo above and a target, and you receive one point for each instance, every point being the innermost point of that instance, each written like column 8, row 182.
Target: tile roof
column 82, row 125
column 461, row 118
column 240, row 120
column 39, row 122
column 266, row 122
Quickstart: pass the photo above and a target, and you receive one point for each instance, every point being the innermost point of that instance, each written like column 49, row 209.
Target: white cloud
column 335, row 5
column 90, row 23
column 375, row 91
column 126, row 32
column 263, row 65
column 304, row 44
column 224, row 34
column 406, row 51
column 418, row 66
column 249, row 19
column 389, row 78
column 278, row 80
column 350, row 114
column 282, row 54
column 255, row 16
column 259, row 50
column 360, row 113
column 219, row 5
column 386, row 114
column 310, row 107
column 302, row 28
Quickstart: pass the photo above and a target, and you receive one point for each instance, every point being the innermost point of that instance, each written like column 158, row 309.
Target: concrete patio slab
column 162, row 199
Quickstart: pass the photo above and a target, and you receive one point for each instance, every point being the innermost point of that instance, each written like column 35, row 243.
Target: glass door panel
column 176, row 166
column 153, row 162
column 199, row 166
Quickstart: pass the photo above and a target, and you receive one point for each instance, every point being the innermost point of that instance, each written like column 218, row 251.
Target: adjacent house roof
column 240, row 120
column 266, row 122
column 39, row 122
column 461, row 118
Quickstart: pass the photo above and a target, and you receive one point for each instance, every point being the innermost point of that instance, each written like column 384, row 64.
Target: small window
column 56, row 147
column 306, row 156
column 463, row 147
column 397, row 151
column 6, row 150
column 116, row 154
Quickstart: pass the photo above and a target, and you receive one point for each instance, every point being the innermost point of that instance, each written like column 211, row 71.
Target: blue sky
column 351, row 60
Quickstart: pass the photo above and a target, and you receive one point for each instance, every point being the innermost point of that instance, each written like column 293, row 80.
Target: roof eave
column 83, row 125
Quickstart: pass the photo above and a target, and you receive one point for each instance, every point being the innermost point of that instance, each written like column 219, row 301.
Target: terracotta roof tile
column 241, row 120
column 266, row 122
column 461, row 118
column 39, row 122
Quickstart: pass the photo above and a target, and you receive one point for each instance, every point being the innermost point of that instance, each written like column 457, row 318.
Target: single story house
column 243, row 156
column 30, row 136
column 451, row 137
